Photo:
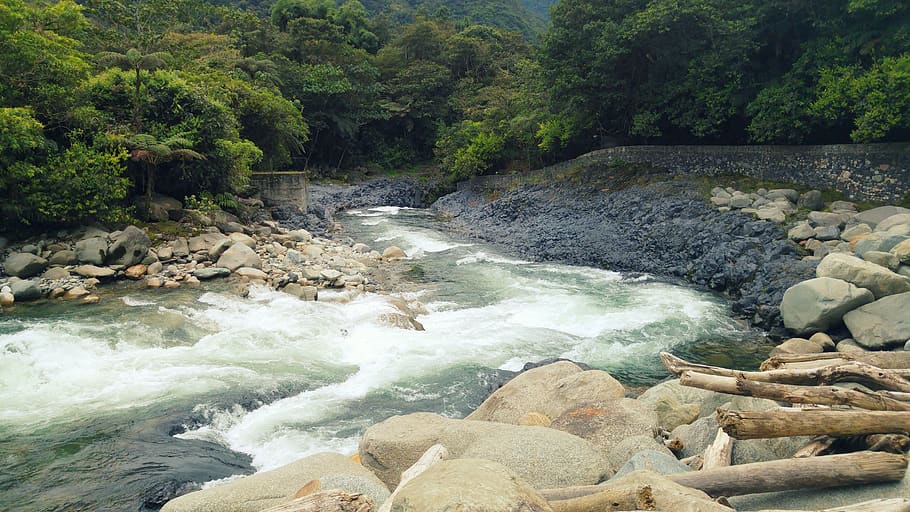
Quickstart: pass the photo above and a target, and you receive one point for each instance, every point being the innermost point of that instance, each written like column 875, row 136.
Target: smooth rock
column 818, row 304
column 801, row 231
column 239, row 255
column 607, row 422
column 469, row 485
column 300, row 235
column 329, row 275
column 783, row 193
column 75, row 293
column 90, row 299
column 720, row 201
column 673, row 390
column 360, row 248
column 136, row 272
column 825, row 233
column 902, row 252
column 696, row 436
column 94, row 271
column 251, row 273
column 811, row 200
column 671, row 413
column 544, row 457
column 881, row 324
column 740, row 202
column 771, row 213
column 885, row 259
column 278, row 486
column 874, row 216
column 153, row 282
column 823, row 340
column 231, row 227
column 797, row 346
column 155, row 268
column 628, row 447
column 181, row 247
column 827, row 219
column 878, row 242
column 666, row 495
column 894, row 220
column 842, row 206
column 879, row 280
column 7, row 299
column 165, row 253
column 551, row 389
column 211, row 273
column 219, row 247
column 535, row 419
column 855, row 231
column 652, row 460
column 63, row 258
column 128, row 247
column 24, row 265
column 25, row 290
column 240, row 238
column 393, row 253
column 849, row 345
column 55, row 273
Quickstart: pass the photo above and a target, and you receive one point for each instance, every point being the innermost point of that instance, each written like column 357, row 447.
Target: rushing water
column 115, row 406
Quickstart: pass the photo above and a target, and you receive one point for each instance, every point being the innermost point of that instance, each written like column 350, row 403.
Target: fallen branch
column 825, row 395
column 817, row 446
column 898, row 360
column 785, row 422
column 850, row 371
column 880, row 505
column 624, row 498
column 720, row 452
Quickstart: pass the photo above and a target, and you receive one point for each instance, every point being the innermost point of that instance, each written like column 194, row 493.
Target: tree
column 134, row 60
column 151, row 152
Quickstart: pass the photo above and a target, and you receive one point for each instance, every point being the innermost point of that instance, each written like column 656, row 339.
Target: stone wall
column 864, row 172
column 282, row 188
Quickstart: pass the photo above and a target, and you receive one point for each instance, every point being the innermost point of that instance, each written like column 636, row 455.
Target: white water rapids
column 278, row 379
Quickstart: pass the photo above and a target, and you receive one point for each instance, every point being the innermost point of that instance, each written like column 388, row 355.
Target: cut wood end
column 309, row 488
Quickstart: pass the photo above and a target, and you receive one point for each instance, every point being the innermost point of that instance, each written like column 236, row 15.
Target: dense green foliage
column 108, row 99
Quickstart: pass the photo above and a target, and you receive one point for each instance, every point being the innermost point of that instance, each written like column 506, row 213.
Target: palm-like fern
column 151, row 152
column 134, row 60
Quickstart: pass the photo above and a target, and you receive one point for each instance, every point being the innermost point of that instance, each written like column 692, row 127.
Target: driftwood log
column 333, row 500
column 637, row 497
column 785, row 422
column 777, row 475
column 719, row 453
column 880, row 505
column 898, row 360
column 850, row 371
column 822, row 395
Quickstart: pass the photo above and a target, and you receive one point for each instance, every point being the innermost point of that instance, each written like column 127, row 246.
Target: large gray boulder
column 625, row 449
column 270, row 488
column 875, row 278
column 128, row 247
column 25, row 290
column 674, row 392
column 544, row 457
column 874, row 216
column 64, row 257
column 877, row 242
column 894, row 220
column 652, row 460
column 94, row 271
column 23, row 264
column 550, row 389
column 468, row 485
column 606, row 423
column 881, row 324
column 811, row 200
column 239, row 255
column 818, row 304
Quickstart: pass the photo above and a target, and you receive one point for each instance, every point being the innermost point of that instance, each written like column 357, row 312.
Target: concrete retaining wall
column 282, row 188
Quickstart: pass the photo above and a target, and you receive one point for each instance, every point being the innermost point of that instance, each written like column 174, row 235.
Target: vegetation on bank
column 102, row 100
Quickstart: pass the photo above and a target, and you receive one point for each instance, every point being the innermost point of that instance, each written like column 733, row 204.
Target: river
column 119, row 405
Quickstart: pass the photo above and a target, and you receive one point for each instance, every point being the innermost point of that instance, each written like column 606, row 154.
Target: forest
column 104, row 102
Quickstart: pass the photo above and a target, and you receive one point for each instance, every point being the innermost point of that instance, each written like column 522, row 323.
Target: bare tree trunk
column 823, row 395
column 880, row 505
column 850, row 371
column 785, row 422
column 888, row 360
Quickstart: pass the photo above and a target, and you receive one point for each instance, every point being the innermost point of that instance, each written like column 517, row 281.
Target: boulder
column 878, row 242
column 881, row 324
column 827, row 219
column 55, row 273
column 329, row 275
column 874, row 216
column 894, row 220
column 818, row 304
column 551, row 389
column 720, row 201
column 801, row 231
column 25, row 290
column 271, row 488
column 875, row 278
column 665, row 495
column 740, row 201
column 849, row 345
column 855, row 231
column 239, row 255
column 128, row 247
column 7, row 299
column 671, row 413
column 885, row 259
column 63, row 258
column 797, row 346
column 23, row 264
column 772, row 213
column 181, row 247
column 360, row 248
column 136, row 272
column 843, row 206
column 75, row 293
column 219, row 247
column 393, row 253
column 299, row 235
column 544, row 457
column 811, row 200
column 607, row 422
column 631, row 445
column 902, row 252
column 251, row 273
column 672, row 390
column 94, row 271
column 783, row 193
column 240, row 238
column 823, row 340
column 696, row 436
column 653, row 460
column 468, row 485
column 231, row 227
column 825, row 233
column 211, row 273
column 155, row 268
